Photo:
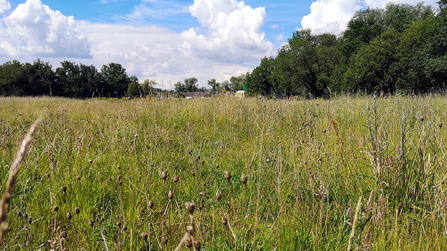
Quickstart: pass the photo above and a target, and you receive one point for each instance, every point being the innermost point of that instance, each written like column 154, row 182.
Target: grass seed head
column 190, row 206
column 64, row 235
column 244, row 179
column 188, row 242
column 164, row 175
column 175, row 179
column 196, row 244
column 227, row 175
column 56, row 208
column 144, row 236
column 77, row 210
column 91, row 222
column 151, row 204
column 64, row 189
column 170, row 195
column 68, row 216
column 224, row 220
column 190, row 230
column 218, row 196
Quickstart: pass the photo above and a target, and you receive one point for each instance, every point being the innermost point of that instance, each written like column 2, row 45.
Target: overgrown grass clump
column 348, row 172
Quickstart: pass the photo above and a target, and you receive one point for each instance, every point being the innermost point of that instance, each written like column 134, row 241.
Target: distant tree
column 14, row 79
column 226, row 85
column 133, row 89
column 179, row 87
column 213, row 84
column 191, row 84
column 42, row 78
column 147, row 86
column 91, row 80
column 260, row 80
column 116, row 79
column 68, row 77
column 237, row 83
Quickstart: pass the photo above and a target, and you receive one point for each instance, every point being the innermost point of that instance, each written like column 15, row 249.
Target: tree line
column 69, row 80
column 399, row 49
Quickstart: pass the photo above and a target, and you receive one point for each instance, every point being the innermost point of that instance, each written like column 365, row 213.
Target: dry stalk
column 13, row 174
column 356, row 216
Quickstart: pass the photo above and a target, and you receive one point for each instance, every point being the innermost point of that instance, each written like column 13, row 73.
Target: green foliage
column 213, row 84
column 116, row 79
column 369, row 71
column 190, row 85
column 133, row 90
column 147, row 87
column 14, row 79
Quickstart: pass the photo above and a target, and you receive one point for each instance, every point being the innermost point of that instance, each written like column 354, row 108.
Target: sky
column 166, row 40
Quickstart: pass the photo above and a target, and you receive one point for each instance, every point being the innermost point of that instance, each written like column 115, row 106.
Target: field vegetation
column 346, row 173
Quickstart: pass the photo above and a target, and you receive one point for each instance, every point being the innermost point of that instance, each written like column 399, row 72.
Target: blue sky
column 163, row 40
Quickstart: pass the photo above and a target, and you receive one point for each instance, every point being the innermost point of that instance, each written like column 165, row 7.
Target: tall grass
column 354, row 173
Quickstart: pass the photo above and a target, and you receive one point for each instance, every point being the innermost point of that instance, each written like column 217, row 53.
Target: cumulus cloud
column 232, row 31
column 333, row 15
column 35, row 29
column 154, row 52
column 4, row 6
column 330, row 15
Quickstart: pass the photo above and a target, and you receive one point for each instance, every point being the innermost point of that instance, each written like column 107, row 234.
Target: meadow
column 347, row 173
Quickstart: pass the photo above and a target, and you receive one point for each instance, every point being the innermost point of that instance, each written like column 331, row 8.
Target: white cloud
column 229, row 44
column 35, row 29
column 330, row 15
column 232, row 31
column 333, row 15
column 4, row 6
column 154, row 52
column 279, row 37
column 274, row 27
column 383, row 3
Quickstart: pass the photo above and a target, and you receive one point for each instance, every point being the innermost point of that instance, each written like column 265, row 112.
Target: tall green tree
column 115, row 79
column 14, row 79
column 42, row 79
column 260, row 80
column 213, row 84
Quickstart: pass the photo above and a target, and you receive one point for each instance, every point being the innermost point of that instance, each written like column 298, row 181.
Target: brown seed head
column 188, row 242
column 422, row 119
column 77, row 210
column 175, row 179
column 224, row 220
column 68, row 216
column 196, row 244
column 64, row 189
column 217, row 166
column 440, row 125
column 90, row 161
column 244, row 179
column 190, row 206
column 190, row 230
column 170, row 195
column 227, row 175
column 91, row 222
column 144, row 236
column 218, row 196
column 164, row 175
column 151, row 204
column 64, row 234
column 56, row 208
column 118, row 224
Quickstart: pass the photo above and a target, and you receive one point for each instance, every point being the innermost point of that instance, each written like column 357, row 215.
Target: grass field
column 352, row 173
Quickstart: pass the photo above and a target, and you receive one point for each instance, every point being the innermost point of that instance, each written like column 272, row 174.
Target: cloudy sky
column 166, row 40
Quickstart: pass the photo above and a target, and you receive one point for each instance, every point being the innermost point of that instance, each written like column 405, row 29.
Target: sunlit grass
column 307, row 163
